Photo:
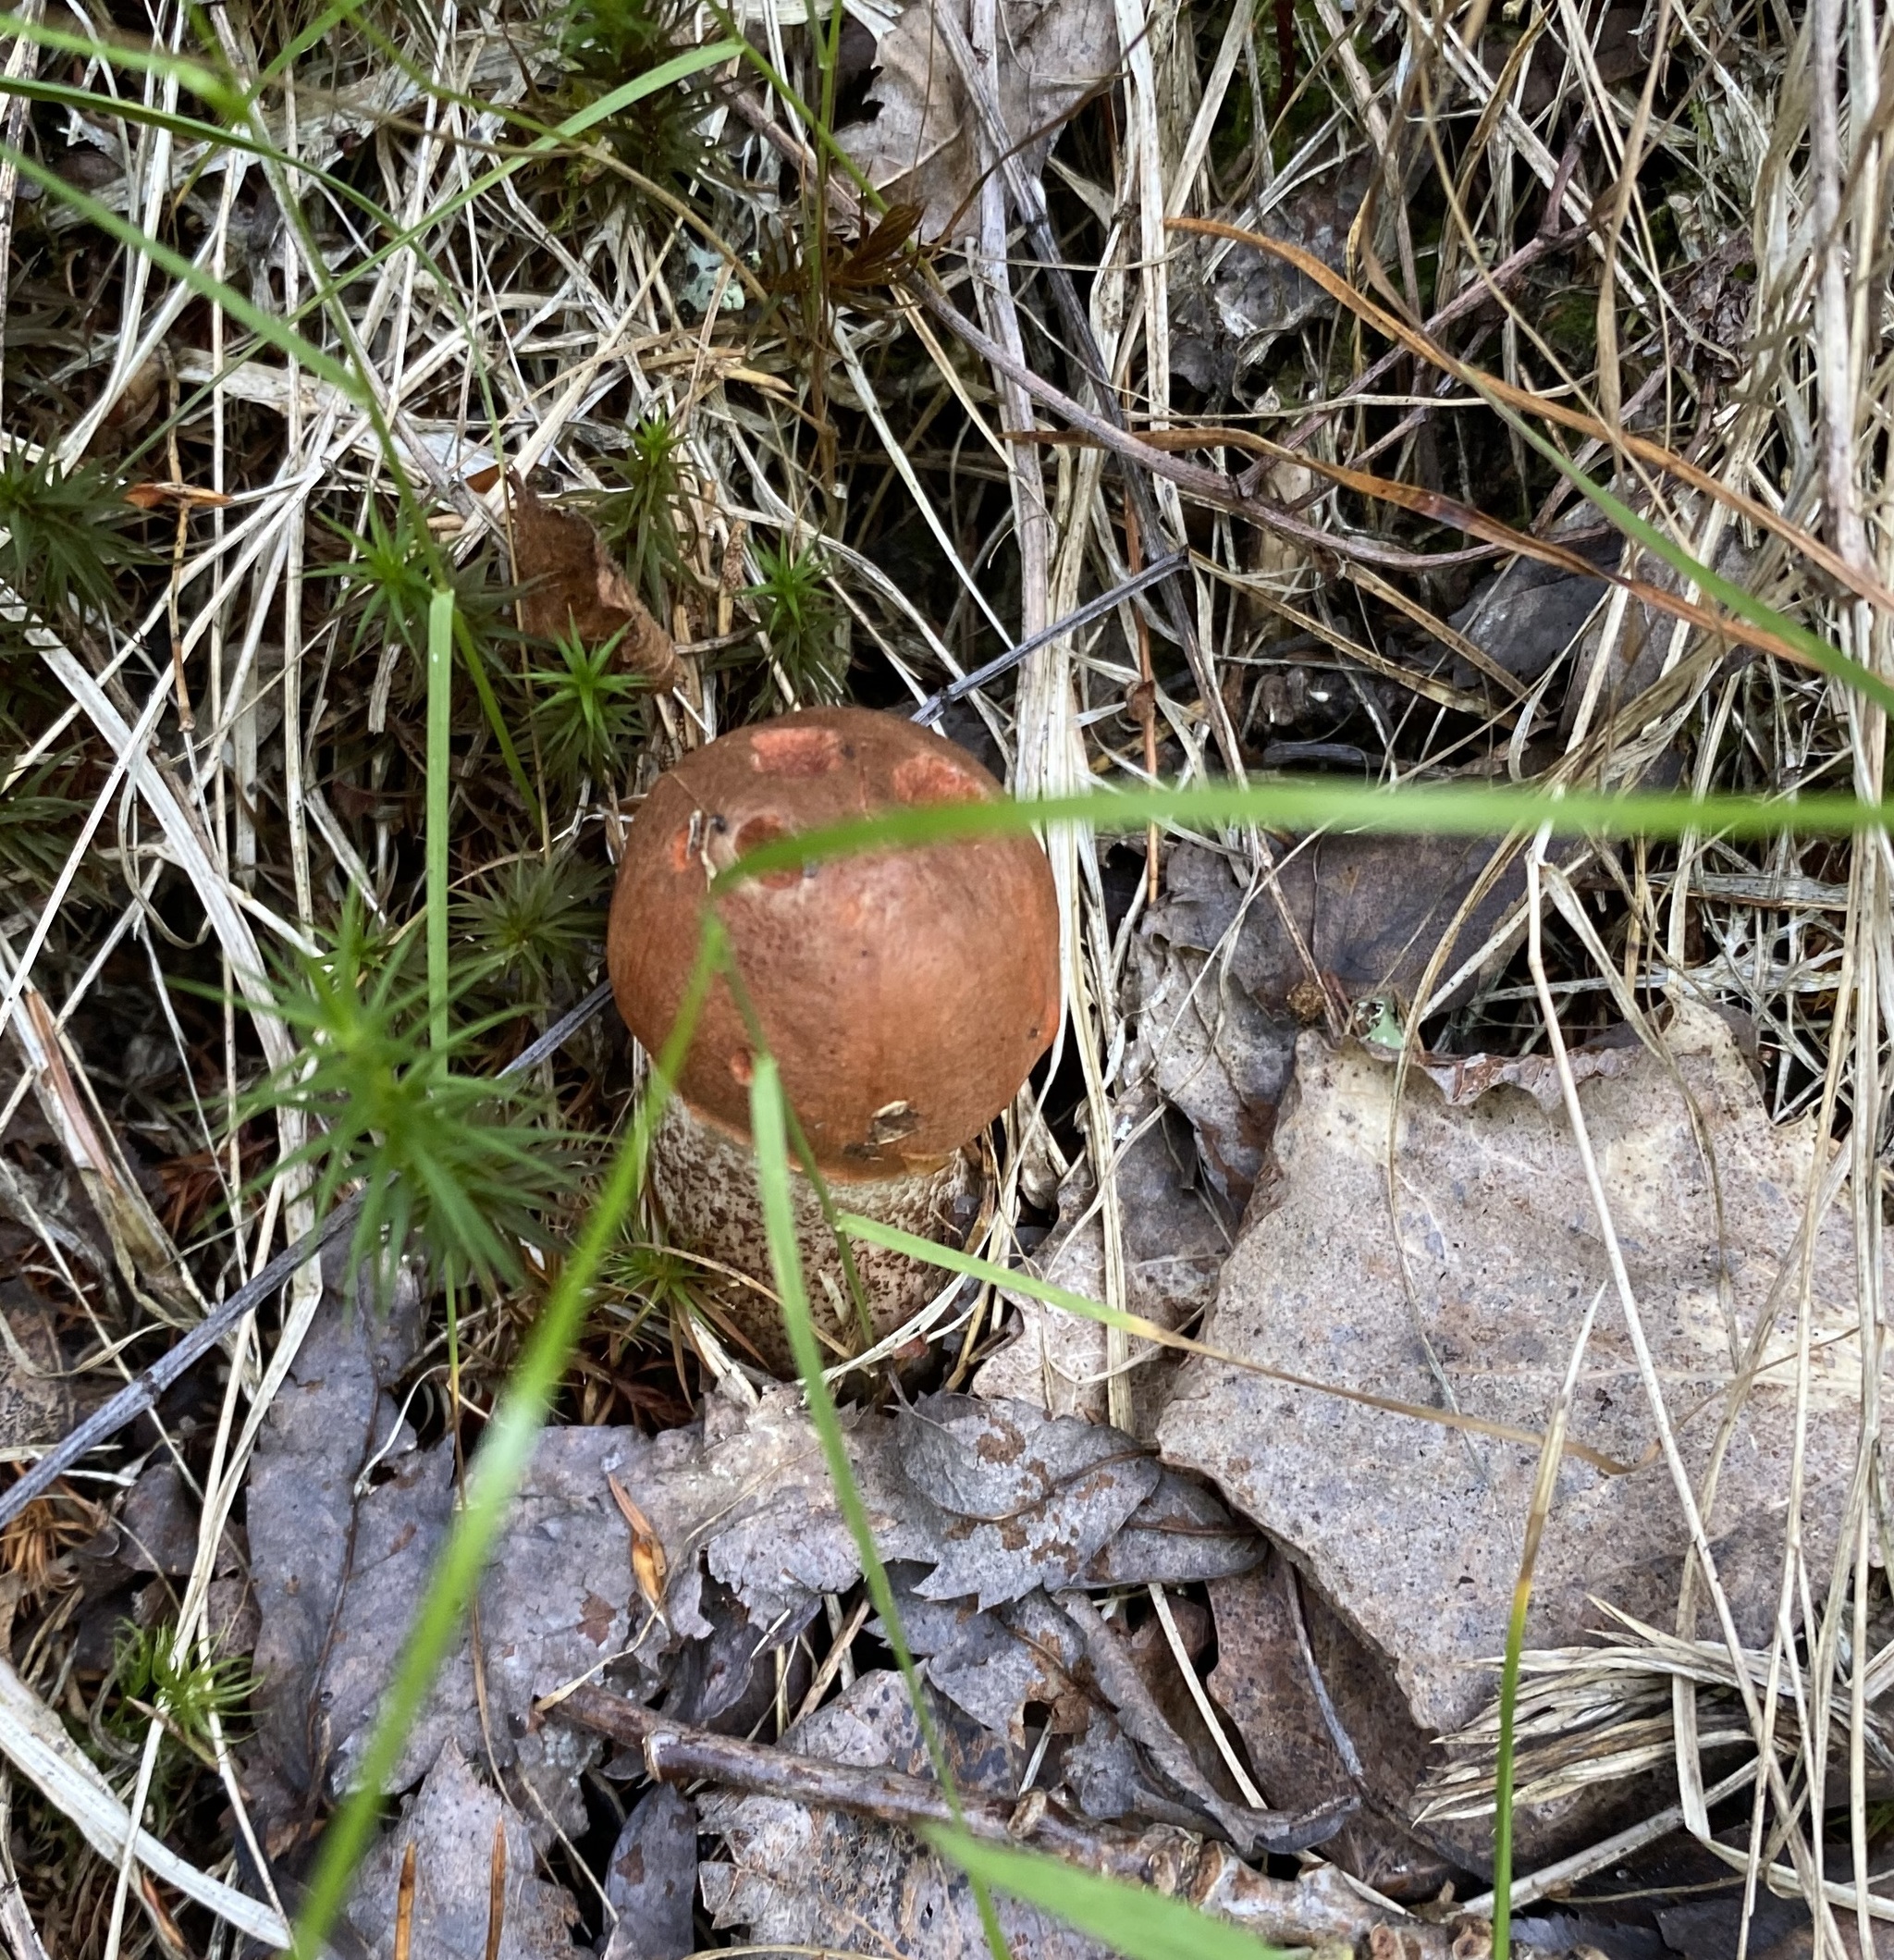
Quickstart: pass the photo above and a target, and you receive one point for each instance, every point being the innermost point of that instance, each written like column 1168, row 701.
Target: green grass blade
column 1301, row 805
column 440, row 756
column 277, row 332
column 1130, row 1919
column 489, row 707
column 952, row 1260
column 494, row 1477
column 770, row 1132
column 1503, row 1776
column 768, row 1128
column 318, row 31
column 209, row 85
column 195, row 130
column 680, row 67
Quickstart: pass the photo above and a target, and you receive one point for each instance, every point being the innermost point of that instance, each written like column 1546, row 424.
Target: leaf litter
column 922, row 146
column 987, row 1504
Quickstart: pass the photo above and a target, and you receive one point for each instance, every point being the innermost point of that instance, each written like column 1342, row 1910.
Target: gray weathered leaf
column 651, row 1879
column 1413, row 1532
column 802, row 1878
column 1036, row 1498
column 453, row 1825
column 1174, row 1245
column 923, row 146
column 35, row 1392
column 1179, row 1535
column 331, row 1419
column 995, row 1663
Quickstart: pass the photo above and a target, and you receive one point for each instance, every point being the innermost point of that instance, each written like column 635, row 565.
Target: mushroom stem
column 704, row 1179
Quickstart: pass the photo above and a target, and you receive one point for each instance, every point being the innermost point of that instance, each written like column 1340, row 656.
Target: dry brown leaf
column 153, row 496
column 574, row 585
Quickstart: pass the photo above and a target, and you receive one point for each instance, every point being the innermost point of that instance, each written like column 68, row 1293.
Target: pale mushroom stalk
column 904, row 994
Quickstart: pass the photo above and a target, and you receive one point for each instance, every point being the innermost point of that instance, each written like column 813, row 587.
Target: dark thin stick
column 675, row 1753
column 1331, row 1715
column 142, row 1393
column 930, row 709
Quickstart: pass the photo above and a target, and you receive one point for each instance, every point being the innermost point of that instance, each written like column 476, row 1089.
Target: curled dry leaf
column 154, row 496
column 575, row 586
column 650, row 1567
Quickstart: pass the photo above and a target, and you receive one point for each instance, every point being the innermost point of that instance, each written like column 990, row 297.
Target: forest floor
column 424, row 428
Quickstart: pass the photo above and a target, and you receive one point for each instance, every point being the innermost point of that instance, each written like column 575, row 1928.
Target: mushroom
column 903, row 993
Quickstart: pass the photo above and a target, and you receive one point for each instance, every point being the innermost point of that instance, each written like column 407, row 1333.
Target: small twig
column 675, row 1753
column 136, row 1397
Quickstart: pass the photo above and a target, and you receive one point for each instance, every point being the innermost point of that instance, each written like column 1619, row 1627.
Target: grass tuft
column 443, row 1157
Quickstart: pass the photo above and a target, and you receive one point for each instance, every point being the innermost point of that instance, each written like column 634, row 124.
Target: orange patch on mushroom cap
column 940, row 779
column 791, row 750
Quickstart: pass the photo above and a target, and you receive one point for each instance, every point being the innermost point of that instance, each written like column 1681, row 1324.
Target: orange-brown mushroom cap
column 904, row 994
